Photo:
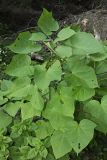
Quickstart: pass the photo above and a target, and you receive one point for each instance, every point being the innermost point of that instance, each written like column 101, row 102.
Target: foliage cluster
column 50, row 108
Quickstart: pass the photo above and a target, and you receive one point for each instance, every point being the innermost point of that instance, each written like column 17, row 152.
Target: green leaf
column 98, row 56
column 77, row 137
column 80, row 89
column 82, row 93
column 63, row 51
column 98, row 113
column 23, row 45
column 27, row 111
column 34, row 142
column 85, row 74
column 60, row 122
column 15, row 153
column 35, row 105
column 104, row 103
column 23, row 89
column 35, row 150
column 81, row 134
column 39, row 36
column 44, row 153
column 76, row 27
column 12, row 108
column 47, row 23
column 50, row 157
column 101, row 91
column 27, row 152
column 101, row 67
column 60, row 144
column 6, row 85
column 61, row 108
column 81, row 42
column 3, row 100
column 5, row 120
column 44, row 129
column 36, row 100
column 20, row 88
column 20, row 66
column 64, row 34
column 66, row 157
column 60, row 105
column 43, row 77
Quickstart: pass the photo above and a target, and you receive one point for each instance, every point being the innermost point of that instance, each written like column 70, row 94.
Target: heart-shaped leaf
column 84, row 43
column 47, row 23
column 77, row 137
column 63, row 51
column 98, row 113
column 64, row 34
column 39, row 36
column 23, row 45
column 20, row 66
column 43, row 77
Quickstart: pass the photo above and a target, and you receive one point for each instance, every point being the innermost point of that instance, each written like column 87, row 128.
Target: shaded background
column 17, row 14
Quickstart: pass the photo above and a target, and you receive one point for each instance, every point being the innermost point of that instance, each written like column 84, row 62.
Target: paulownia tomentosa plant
column 52, row 108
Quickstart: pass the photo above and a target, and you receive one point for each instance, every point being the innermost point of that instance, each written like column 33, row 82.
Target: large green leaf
column 64, row 34
column 17, row 88
column 63, row 51
column 81, row 134
column 20, row 88
column 77, row 137
column 85, row 75
column 101, row 67
column 62, row 132
column 35, row 105
column 5, row 120
column 43, row 77
column 44, row 129
column 39, row 36
column 98, row 56
column 61, row 108
column 12, row 108
column 84, row 43
column 28, row 111
column 20, row 66
column 23, row 45
column 60, row 105
column 82, row 93
column 76, row 89
column 47, row 23
column 60, row 144
column 6, row 85
column 98, row 113
column 36, row 99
